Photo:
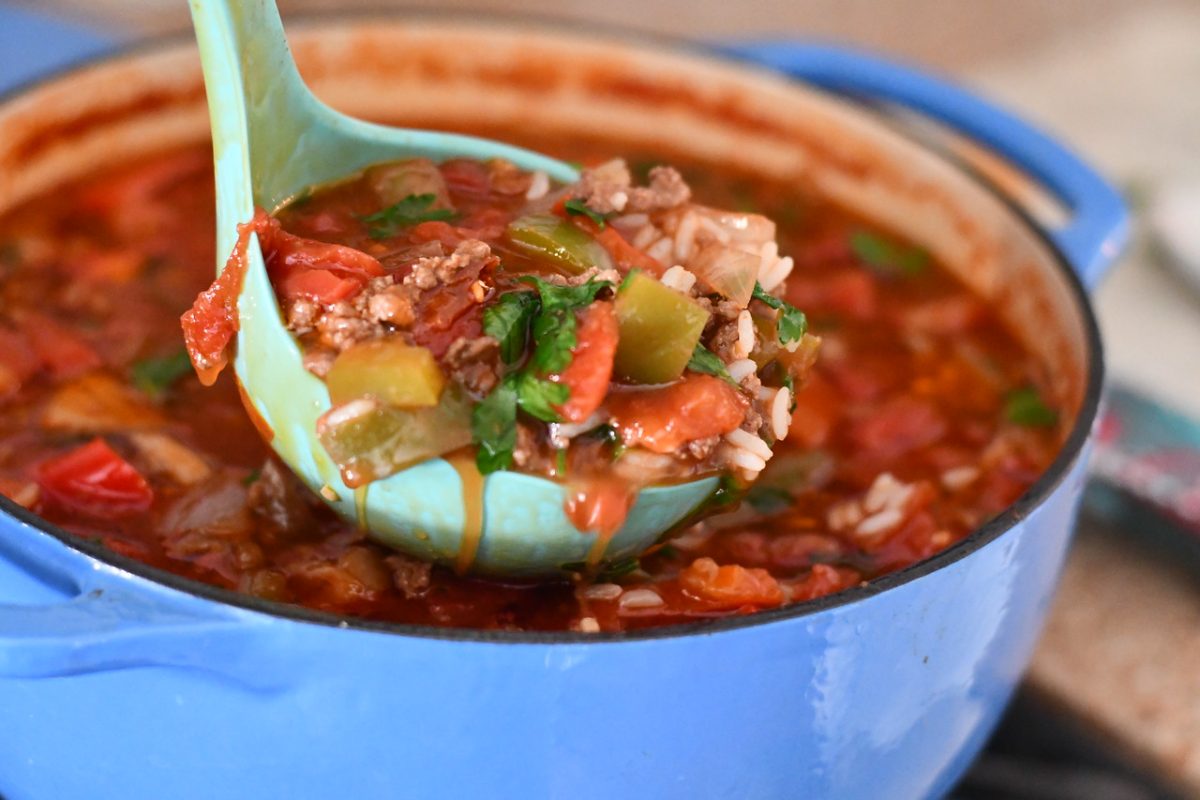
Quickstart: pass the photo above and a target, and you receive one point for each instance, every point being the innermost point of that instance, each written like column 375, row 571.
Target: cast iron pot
column 118, row 680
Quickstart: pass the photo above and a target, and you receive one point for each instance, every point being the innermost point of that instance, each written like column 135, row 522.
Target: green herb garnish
column 1026, row 407
column 554, row 325
column 792, row 323
column 618, row 569
column 155, row 375
column 560, row 462
column 507, row 321
column 705, row 361
column 768, row 499
column 886, row 256
column 548, row 317
column 578, row 208
column 414, row 209
column 494, row 427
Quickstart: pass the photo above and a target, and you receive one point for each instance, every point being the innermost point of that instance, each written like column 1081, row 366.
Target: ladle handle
column 1099, row 220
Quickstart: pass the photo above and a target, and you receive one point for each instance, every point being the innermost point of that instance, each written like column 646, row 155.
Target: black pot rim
column 1070, row 452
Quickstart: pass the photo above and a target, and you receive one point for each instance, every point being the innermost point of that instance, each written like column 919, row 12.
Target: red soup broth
column 921, row 420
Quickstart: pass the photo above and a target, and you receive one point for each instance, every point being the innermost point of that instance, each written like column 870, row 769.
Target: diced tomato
column 624, row 255
column 466, row 179
column 435, row 231
column 591, row 366
column 17, row 362
column 94, row 480
column 288, row 257
column 665, row 418
column 946, row 316
column 320, row 285
column 730, row 586
column 818, row 409
column 898, row 426
column 211, row 323
column 848, row 290
column 59, row 349
column 824, row 579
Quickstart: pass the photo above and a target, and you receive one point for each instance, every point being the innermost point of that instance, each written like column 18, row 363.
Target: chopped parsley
column 610, row 436
column 494, row 427
column 411, row 210
column 155, row 375
column 548, row 318
column 507, row 321
column 578, row 208
column 886, row 256
column 1026, row 407
column 792, row 323
column 538, row 397
column 618, row 569
column 768, row 499
column 708, row 362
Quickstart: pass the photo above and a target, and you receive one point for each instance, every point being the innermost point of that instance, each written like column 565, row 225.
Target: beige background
column 1120, row 81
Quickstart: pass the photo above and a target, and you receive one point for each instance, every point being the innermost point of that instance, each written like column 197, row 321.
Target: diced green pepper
column 369, row 440
column 658, row 330
column 558, row 242
column 389, row 370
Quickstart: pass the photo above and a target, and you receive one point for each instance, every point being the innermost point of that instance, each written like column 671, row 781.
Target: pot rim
column 1046, row 485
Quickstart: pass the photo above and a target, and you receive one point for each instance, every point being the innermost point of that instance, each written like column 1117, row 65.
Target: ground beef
column 392, row 303
column 667, row 189
column 409, row 575
column 344, row 325
column 319, row 360
column 526, row 446
column 605, row 189
column 474, row 363
column 429, row 272
column 701, row 449
column 724, row 341
column 302, row 314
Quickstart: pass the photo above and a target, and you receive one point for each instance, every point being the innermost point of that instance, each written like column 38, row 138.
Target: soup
column 921, row 420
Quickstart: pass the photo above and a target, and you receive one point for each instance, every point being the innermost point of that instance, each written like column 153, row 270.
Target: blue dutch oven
column 119, row 680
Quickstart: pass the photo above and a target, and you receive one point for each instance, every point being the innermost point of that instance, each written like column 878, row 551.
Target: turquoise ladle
column 271, row 140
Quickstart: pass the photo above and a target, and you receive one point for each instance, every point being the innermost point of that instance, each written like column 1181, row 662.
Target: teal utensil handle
column 1099, row 227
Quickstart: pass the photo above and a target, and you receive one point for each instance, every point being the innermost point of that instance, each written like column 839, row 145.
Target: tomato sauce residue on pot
column 921, row 419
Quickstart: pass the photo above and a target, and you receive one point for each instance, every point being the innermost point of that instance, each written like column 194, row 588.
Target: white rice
column 660, row 250
column 685, row 237
column 741, row 369
column 589, row 625
column 844, row 515
column 694, row 539
column 768, row 254
column 781, row 413
column 679, row 279
column 765, row 393
column 632, row 221
column 618, row 200
column 746, row 460
column 603, row 591
column 644, row 237
column 744, row 440
column 640, row 598
column 538, row 186
column 879, row 523
column 886, row 493
column 745, row 340
column 959, row 477
column 774, row 275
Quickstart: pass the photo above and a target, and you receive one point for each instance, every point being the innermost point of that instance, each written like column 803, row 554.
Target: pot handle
column 104, row 619
column 1099, row 226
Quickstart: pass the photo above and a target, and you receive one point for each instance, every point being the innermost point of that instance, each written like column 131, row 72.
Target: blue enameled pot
column 120, row 681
